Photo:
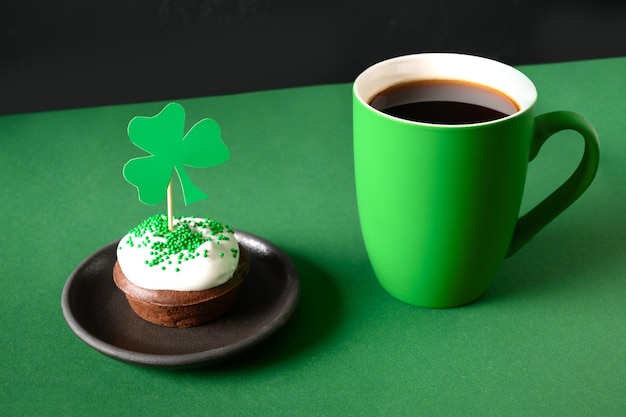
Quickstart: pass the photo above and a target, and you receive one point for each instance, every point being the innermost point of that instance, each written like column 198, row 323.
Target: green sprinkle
column 184, row 241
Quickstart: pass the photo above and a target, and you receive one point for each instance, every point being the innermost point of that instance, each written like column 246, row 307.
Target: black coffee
column 447, row 102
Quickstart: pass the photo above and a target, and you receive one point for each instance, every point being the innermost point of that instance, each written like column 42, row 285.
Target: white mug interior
column 445, row 66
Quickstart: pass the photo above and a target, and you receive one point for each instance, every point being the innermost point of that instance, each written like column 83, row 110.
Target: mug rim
column 445, row 66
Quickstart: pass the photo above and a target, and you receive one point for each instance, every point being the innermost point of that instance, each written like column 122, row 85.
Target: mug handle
column 536, row 219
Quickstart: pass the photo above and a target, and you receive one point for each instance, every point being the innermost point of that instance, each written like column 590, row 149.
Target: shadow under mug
column 439, row 204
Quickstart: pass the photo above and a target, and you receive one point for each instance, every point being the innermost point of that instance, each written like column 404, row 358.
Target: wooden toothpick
column 170, row 209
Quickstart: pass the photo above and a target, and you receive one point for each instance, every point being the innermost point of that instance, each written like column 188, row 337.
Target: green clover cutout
column 162, row 136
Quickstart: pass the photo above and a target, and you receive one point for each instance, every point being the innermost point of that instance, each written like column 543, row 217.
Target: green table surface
column 548, row 339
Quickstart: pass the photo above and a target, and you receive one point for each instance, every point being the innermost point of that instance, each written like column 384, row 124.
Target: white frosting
column 209, row 265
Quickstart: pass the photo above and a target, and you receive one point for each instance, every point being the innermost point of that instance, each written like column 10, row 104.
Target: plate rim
column 191, row 359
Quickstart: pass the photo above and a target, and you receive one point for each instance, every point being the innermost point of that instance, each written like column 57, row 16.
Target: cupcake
column 180, row 278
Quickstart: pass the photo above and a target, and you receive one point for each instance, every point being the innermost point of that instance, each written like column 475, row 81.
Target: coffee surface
column 447, row 102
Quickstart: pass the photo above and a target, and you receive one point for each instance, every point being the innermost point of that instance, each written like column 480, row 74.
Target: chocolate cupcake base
column 181, row 308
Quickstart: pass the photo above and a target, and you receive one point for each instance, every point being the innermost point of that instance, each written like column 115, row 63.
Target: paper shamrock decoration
column 162, row 136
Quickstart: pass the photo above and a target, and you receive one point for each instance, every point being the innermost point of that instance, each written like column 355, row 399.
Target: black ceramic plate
column 97, row 311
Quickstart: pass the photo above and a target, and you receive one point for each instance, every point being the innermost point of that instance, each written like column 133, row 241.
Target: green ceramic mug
column 439, row 203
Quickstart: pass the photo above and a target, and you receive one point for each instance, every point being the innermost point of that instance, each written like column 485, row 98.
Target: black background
column 65, row 54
